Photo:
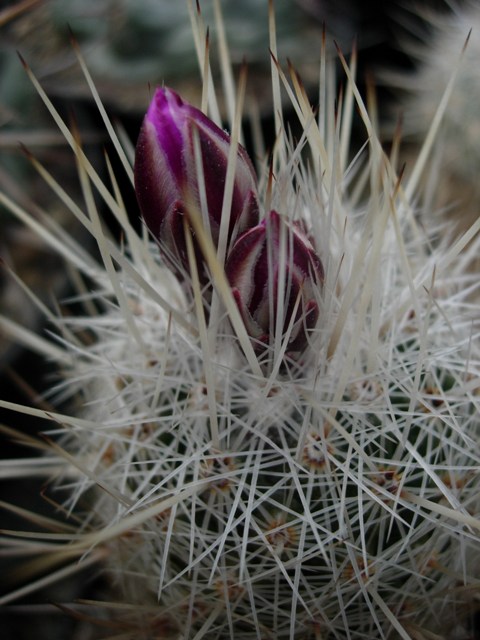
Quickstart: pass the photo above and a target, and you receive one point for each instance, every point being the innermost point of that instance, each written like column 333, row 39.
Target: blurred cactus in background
column 129, row 43
column 437, row 51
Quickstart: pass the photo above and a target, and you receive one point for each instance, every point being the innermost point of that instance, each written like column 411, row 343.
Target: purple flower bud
column 166, row 175
column 259, row 276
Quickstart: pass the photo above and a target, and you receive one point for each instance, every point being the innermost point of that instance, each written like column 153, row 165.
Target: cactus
column 332, row 492
column 438, row 61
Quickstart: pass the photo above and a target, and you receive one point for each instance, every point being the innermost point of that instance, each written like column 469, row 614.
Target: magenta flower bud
column 166, row 175
column 258, row 277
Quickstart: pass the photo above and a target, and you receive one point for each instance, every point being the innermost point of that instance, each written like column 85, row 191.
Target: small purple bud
column 258, row 278
column 166, row 174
